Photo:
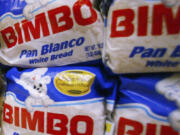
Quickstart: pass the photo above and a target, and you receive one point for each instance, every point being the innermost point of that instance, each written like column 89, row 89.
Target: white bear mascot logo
column 36, row 84
column 170, row 88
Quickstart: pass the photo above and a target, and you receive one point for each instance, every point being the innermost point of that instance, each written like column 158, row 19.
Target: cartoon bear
column 170, row 88
column 36, row 84
column 31, row 6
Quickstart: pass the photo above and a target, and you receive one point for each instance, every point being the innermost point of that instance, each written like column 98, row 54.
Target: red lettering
column 160, row 13
column 142, row 20
column 19, row 32
column 40, row 22
column 38, row 117
column 9, row 37
column 16, row 116
column 55, row 24
column 51, row 117
column 126, row 24
column 7, row 114
column 59, row 18
column 78, row 15
column 57, row 124
column 167, row 130
column 74, row 125
column 123, row 123
column 151, row 129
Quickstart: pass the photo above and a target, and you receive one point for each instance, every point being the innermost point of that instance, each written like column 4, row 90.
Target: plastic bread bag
column 110, row 107
column 57, row 100
column 41, row 33
column 147, row 104
column 2, row 93
column 142, row 35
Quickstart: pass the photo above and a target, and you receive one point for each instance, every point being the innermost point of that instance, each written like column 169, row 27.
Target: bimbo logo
column 47, row 122
column 160, row 14
column 60, row 20
column 134, row 127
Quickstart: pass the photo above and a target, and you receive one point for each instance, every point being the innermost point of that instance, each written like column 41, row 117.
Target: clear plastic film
column 59, row 100
column 41, row 33
column 148, row 104
column 141, row 35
